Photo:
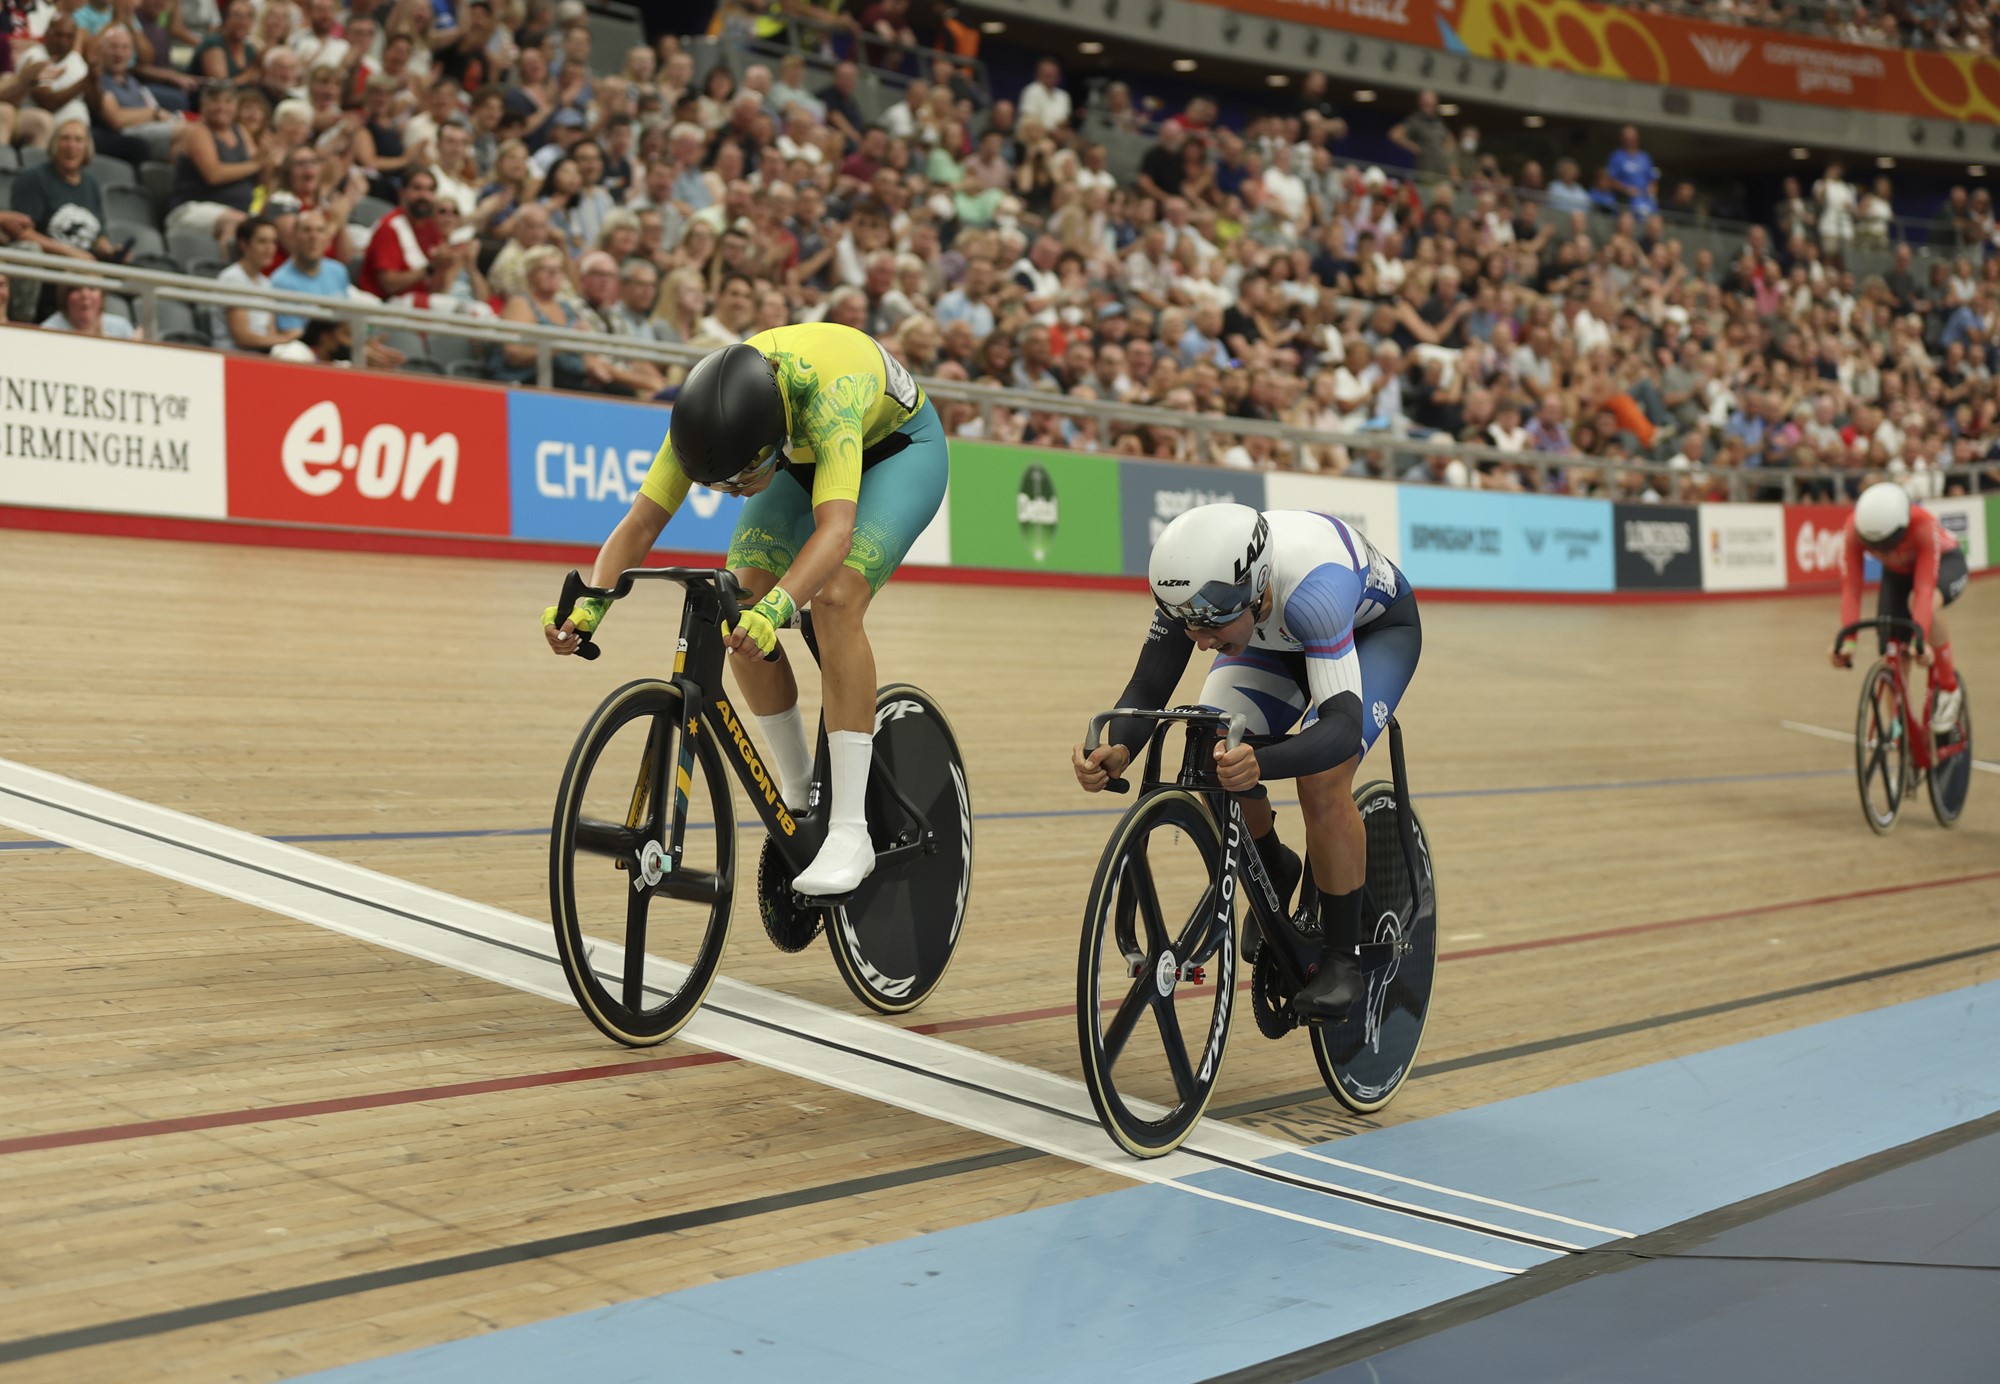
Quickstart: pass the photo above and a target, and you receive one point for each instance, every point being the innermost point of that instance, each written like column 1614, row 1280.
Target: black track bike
column 643, row 854
column 1157, row 973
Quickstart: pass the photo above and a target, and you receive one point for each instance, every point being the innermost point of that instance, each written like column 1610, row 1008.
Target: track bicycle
column 1157, row 968
column 1890, row 744
column 642, row 854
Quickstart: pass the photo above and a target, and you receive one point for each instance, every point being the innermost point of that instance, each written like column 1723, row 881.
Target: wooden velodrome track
column 204, row 1105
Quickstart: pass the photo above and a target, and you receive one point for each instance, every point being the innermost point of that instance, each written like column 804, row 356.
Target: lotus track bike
column 1157, row 972
column 1891, row 743
column 643, row 852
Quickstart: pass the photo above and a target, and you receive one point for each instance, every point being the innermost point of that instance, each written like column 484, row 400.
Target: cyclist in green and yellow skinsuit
column 845, row 462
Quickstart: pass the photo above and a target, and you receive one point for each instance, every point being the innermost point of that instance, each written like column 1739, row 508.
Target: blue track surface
column 1154, row 1284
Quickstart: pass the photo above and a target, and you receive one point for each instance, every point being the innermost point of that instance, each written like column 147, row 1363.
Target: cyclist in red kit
column 1923, row 571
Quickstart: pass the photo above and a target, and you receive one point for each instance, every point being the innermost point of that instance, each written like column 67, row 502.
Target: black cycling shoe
column 1333, row 989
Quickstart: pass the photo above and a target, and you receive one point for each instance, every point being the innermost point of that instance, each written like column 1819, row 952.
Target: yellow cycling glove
column 587, row 615
column 763, row 621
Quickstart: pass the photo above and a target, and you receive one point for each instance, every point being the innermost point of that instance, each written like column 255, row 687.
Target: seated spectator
column 457, row 285
column 543, row 304
column 62, row 81
column 81, row 310
column 62, row 201
column 244, row 328
column 153, row 58
column 216, row 172
column 301, row 187
column 326, row 341
column 127, row 119
column 379, row 150
column 228, row 55
column 309, row 269
column 607, row 310
column 397, row 266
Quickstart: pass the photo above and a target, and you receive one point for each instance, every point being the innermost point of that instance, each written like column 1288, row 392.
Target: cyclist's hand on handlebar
column 1924, row 656
column 584, row 619
column 1843, row 654
column 1237, row 769
column 756, row 634
column 1100, row 766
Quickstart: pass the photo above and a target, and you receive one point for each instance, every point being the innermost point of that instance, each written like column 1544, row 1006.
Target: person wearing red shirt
column 397, row 266
column 1923, row 571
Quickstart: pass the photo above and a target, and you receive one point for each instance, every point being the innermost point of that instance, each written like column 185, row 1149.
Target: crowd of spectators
column 1238, row 270
column 1962, row 26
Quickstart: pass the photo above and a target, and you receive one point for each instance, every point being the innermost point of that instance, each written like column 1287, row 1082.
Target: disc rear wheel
column 1951, row 763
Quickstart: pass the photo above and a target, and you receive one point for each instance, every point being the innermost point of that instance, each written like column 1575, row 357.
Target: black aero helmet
column 728, row 415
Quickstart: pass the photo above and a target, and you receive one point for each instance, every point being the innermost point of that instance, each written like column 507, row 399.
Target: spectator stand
column 161, row 306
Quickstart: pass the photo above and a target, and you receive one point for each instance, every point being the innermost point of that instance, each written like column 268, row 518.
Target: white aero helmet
column 1882, row 514
column 1211, row 564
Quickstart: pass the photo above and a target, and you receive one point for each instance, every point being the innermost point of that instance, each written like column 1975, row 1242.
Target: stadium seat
column 6, row 186
column 424, row 365
column 187, row 339
column 129, row 204
column 8, row 158
column 158, row 180
column 158, row 263
column 448, row 350
column 409, row 343
column 189, row 247
column 467, row 370
column 31, row 157
column 145, row 240
column 176, row 316
column 205, row 268
column 368, row 211
column 112, row 173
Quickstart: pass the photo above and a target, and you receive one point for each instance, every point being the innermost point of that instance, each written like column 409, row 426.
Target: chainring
column 789, row 924
column 1269, row 1004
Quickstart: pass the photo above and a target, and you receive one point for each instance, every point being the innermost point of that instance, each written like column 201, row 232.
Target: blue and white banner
column 575, row 463
column 1478, row 541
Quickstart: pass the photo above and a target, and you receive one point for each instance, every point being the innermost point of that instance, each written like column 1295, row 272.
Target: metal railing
column 148, row 288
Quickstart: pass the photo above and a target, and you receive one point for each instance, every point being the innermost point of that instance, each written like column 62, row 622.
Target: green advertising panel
column 1026, row 509
column 1993, row 530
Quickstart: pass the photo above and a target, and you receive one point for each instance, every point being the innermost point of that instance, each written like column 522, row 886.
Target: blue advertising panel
column 1479, row 541
column 575, row 463
column 1152, row 494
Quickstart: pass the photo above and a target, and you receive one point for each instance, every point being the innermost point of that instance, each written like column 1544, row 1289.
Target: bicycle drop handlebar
column 1888, row 623
column 1235, row 722
column 575, row 588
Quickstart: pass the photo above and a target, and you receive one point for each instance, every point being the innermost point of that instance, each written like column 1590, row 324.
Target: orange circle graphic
column 1579, row 41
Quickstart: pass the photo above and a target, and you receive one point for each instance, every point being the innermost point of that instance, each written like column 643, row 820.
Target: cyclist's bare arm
column 626, row 547
column 629, row 543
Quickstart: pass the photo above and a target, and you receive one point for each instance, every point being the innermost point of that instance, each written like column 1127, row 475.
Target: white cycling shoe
column 845, row 858
column 1944, row 717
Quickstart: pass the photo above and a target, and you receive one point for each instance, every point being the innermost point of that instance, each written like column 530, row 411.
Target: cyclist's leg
column 766, row 540
column 1387, row 649
column 1268, row 689
column 1953, row 577
column 900, row 494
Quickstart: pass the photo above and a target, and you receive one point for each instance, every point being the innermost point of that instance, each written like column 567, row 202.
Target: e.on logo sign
column 1815, row 537
column 317, row 445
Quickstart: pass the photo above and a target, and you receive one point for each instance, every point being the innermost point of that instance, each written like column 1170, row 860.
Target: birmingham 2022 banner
column 1609, row 41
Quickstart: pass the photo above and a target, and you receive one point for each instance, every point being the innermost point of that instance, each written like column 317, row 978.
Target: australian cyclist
column 845, row 462
column 1923, row 571
column 1306, row 617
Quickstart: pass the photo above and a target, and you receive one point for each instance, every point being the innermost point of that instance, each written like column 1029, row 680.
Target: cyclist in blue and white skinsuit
column 1306, row 618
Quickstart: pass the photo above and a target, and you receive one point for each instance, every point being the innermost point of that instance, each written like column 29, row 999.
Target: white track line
column 1847, row 738
column 912, row 1071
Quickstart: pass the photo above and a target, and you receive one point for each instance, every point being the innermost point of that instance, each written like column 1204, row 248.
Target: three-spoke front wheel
column 1156, row 975
column 642, row 864
column 1881, row 749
